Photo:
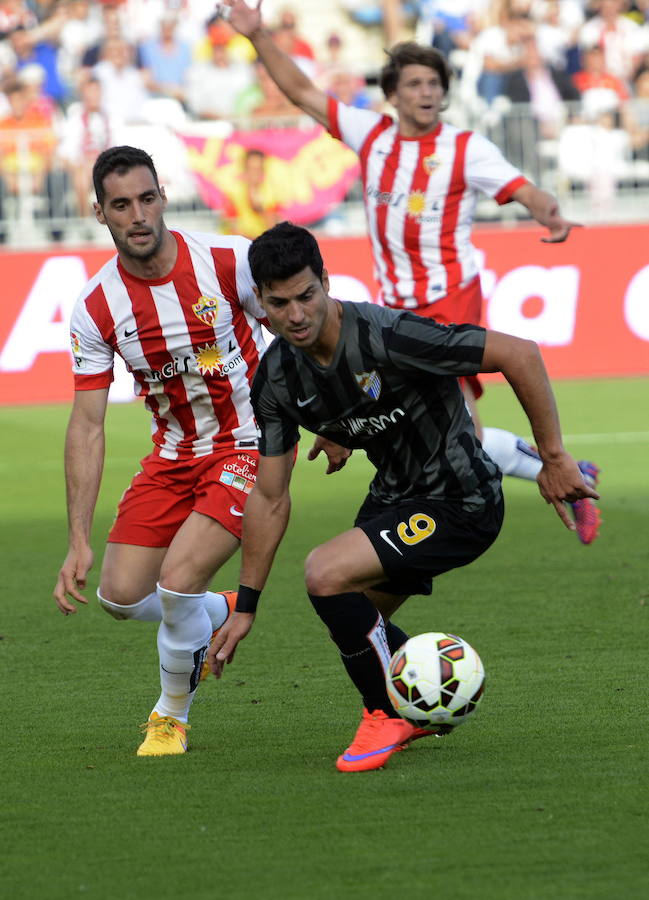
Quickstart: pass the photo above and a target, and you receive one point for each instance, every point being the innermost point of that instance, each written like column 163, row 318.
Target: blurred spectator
column 239, row 47
column 334, row 51
column 543, row 87
column 450, row 26
column 85, row 132
column 7, row 63
column 14, row 13
column 122, row 84
column 263, row 99
column 112, row 26
column 253, row 202
column 595, row 153
column 499, row 50
column 166, row 60
column 27, row 142
column 335, row 58
column 28, row 49
column 298, row 47
column 622, row 40
column 32, row 78
column 392, row 15
column 635, row 116
column 141, row 18
column 82, row 30
column 600, row 91
column 285, row 39
column 213, row 87
column 557, row 33
column 347, row 87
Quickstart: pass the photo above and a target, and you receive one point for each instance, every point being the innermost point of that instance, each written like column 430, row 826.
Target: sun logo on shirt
column 208, row 359
column 416, row 204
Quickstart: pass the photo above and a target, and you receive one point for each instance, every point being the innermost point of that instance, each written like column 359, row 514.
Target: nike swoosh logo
column 352, row 757
column 235, row 511
column 128, row 333
column 306, row 402
column 384, row 535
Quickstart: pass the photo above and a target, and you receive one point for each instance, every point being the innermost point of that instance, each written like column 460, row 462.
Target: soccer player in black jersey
column 384, row 381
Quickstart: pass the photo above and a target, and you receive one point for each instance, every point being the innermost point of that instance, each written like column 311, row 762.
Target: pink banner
column 309, row 170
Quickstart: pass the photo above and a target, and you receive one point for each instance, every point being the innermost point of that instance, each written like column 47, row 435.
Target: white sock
column 183, row 636
column 149, row 609
column 512, row 454
column 217, row 609
column 146, row 610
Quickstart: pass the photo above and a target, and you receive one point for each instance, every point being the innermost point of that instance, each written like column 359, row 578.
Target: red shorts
column 166, row 491
column 460, row 307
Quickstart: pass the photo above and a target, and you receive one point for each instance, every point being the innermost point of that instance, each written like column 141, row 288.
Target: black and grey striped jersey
column 391, row 389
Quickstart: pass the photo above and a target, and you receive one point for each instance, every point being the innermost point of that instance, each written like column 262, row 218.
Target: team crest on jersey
column 208, row 359
column 206, row 309
column 430, row 163
column 76, row 349
column 369, row 383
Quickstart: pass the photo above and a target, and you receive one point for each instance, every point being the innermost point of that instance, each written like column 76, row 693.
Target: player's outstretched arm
column 290, row 79
column 560, row 480
column 264, row 522
column 337, row 456
column 545, row 209
column 84, row 462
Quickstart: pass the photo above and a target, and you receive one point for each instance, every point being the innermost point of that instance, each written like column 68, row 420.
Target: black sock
column 357, row 628
column 396, row 637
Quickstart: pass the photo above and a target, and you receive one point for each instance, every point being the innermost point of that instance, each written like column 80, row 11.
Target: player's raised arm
column 290, row 79
column 264, row 523
column 520, row 361
column 543, row 207
column 84, row 463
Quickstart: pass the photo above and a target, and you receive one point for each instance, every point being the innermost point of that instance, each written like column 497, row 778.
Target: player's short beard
column 145, row 254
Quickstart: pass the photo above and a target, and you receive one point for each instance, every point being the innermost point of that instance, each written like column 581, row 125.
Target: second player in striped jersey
column 421, row 180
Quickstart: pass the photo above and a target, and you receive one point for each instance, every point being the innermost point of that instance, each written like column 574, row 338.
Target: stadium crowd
column 75, row 73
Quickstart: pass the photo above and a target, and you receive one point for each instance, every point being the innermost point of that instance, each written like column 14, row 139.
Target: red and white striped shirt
column 420, row 196
column 191, row 339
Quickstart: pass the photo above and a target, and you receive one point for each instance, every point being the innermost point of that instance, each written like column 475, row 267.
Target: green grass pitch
column 541, row 797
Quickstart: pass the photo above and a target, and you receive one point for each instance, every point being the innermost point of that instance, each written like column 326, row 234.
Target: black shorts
column 418, row 539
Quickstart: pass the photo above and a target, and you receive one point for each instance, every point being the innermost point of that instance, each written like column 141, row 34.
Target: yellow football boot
column 165, row 736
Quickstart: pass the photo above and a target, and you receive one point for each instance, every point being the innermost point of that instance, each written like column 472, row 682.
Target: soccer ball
column 435, row 679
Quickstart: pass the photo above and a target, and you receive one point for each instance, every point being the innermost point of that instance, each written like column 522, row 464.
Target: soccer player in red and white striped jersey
column 421, row 179
column 179, row 308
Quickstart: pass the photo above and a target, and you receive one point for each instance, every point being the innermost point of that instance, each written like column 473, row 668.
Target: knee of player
column 180, row 579
column 114, row 603
column 320, row 574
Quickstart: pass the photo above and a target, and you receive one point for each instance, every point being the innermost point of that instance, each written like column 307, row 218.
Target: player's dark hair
column 120, row 160
column 282, row 252
column 409, row 53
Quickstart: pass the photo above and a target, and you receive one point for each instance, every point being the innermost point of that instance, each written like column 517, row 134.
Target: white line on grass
column 613, row 437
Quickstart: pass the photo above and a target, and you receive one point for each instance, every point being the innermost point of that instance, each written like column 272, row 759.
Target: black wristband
column 247, row 599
